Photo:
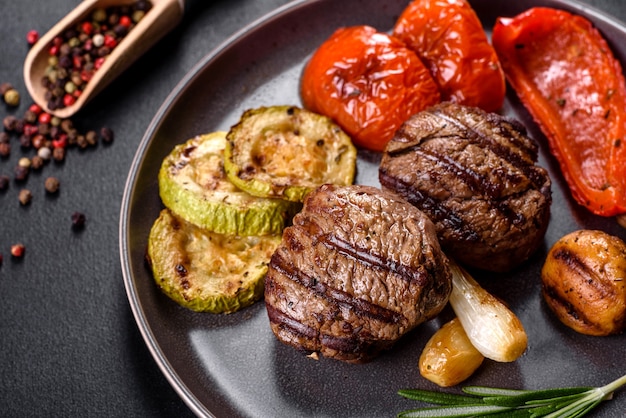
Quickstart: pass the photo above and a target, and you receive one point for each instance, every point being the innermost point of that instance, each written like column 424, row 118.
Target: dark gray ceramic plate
column 227, row 366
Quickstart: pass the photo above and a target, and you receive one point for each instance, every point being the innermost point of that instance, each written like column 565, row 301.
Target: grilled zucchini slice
column 286, row 151
column 206, row 271
column 193, row 185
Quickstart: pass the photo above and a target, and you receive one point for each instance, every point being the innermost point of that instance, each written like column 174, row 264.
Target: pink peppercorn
column 44, row 117
column 35, row 108
column 54, row 50
column 98, row 63
column 86, row 75
column 110, row 41
column 77, row 62
column 30, row 130
column 17, row 250
column 87, row 28
column 68, row 100
column 125, row 21
column 32, row 36
column 60, row 142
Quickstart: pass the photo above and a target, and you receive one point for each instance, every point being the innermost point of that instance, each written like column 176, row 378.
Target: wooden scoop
column 159, row 20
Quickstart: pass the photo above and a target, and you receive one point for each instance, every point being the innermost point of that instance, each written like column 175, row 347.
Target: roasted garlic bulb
column 449, row 356
column 584, row 282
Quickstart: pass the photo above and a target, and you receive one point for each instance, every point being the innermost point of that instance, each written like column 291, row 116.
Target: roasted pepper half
column 567, row 77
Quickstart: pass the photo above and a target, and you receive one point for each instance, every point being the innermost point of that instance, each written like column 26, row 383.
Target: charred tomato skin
column 449, row 38
column 368, row 82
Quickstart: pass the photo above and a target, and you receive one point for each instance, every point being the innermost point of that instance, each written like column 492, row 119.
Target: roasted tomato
column 450, row 40
column 368, row 82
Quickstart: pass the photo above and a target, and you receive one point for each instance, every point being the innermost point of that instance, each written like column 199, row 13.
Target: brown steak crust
column 474, row 174
column 358, row 269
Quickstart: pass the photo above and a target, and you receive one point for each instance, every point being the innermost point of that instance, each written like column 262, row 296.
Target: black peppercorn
column 4, row 87
column 5, row 149
column 4, row 137
column 30, row 116
column 25, row 141
column 78, row 220
column 21, row 172
column 10, row 123
column 58, row 154
column 4, row 182
column 52, row 185
column 107, row 135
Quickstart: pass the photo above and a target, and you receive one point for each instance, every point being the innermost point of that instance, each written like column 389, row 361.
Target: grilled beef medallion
column 475, row 175
column 359, row 268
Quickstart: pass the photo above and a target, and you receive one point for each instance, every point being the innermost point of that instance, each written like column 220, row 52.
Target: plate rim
column 146, row 331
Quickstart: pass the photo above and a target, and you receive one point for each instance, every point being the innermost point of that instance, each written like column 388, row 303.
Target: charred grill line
column 335, row 296
column 435, row 209
column 294, row 326
column 474, row 180
column 480, row 139
column 574, row 263
column 367, row 257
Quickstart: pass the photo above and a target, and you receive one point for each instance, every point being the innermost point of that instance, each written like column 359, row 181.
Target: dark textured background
column 69, row 345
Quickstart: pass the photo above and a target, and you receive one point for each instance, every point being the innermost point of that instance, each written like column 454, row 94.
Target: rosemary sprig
column 495, row 402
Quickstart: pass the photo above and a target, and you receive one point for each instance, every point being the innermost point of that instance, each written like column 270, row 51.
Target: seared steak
column 475, row 175
column 358, row 269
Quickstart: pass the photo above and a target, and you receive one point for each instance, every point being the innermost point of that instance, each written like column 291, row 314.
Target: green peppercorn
column 12, row 97
column 99, row 15
column 73, row 42
column 138, row 15
column 70, row 87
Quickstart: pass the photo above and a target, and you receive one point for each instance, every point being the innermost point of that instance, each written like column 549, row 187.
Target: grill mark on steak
column 477, row 182
column 294, row 326
column 335, row 296
column 435, row 209
column 367, row 257
column 479, row 138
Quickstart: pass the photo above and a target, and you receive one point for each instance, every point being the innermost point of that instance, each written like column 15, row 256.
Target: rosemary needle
column 497, row 402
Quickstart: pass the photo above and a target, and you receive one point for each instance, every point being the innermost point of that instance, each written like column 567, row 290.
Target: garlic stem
column 492, row 328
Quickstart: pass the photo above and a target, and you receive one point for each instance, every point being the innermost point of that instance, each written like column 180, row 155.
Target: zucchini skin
column 194, row 185
column 205, row 271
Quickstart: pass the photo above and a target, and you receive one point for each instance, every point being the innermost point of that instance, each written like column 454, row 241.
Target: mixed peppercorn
column 75, row 55
column 78, row 52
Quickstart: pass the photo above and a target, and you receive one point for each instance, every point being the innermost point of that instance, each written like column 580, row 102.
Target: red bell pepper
column 567, row 77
